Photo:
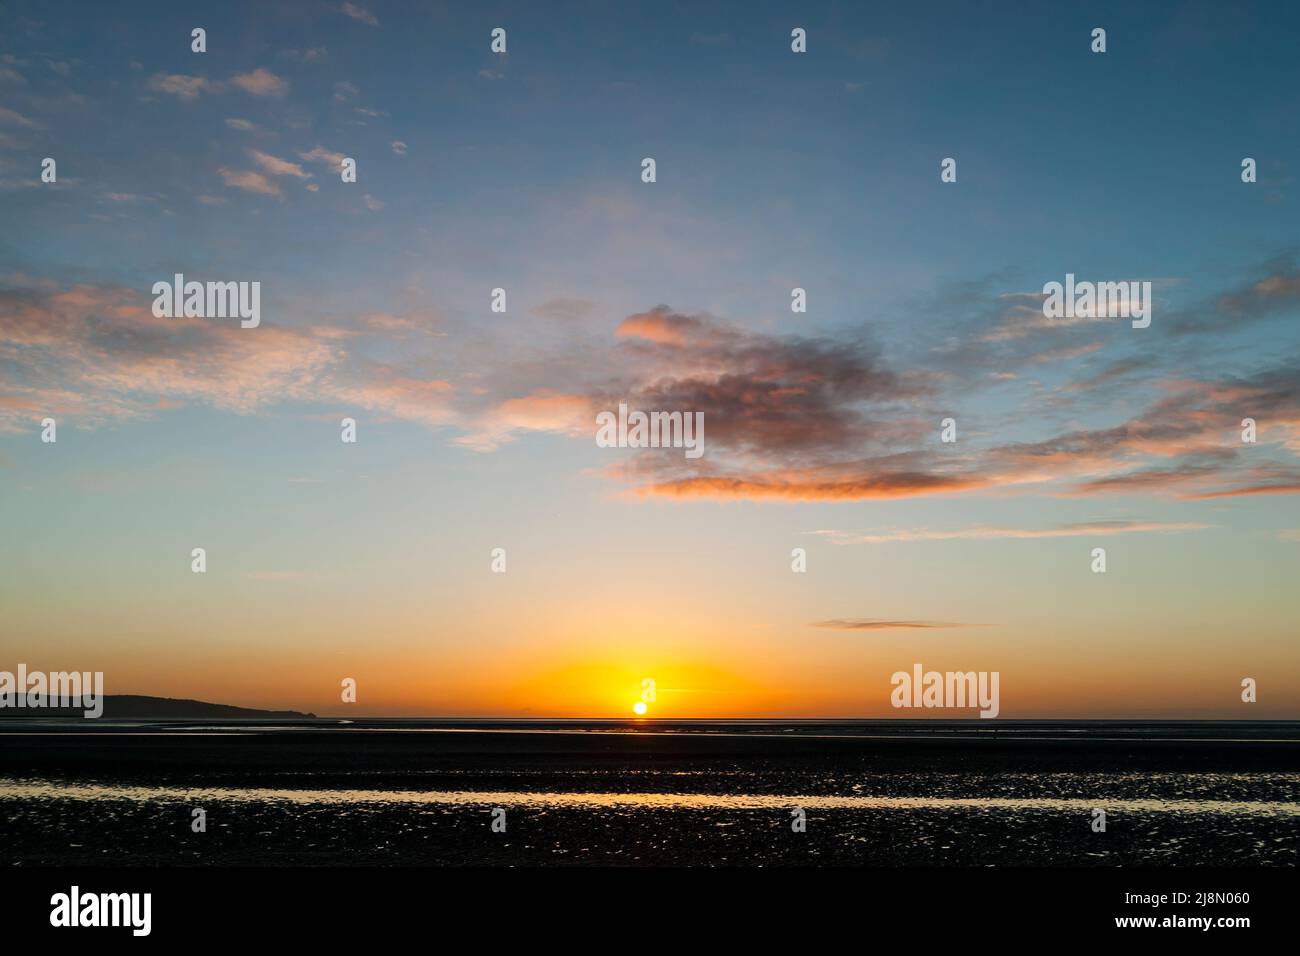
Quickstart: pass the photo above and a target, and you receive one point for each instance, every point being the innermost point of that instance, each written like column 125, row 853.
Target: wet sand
column 383, row 793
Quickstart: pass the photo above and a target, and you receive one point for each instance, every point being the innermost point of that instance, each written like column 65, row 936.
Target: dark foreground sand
column 1214, row 795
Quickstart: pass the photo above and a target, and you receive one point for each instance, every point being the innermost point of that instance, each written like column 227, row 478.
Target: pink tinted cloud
column 260, row 82
column 99, row 353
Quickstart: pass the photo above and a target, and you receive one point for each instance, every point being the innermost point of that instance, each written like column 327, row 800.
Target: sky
column 774, row 170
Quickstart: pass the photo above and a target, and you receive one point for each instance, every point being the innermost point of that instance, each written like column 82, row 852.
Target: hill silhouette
column 140, row 707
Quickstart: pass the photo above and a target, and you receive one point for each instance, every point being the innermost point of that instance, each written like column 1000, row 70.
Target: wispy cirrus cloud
column 1273, row 293
column 98, row 354
column 1086, row 529
column 1187, row 443
column 876, row 624
column 1268, row 481
column 813, row 485
column 820, row 417
column 358, row 12
column 13, row 118
column 8, row 73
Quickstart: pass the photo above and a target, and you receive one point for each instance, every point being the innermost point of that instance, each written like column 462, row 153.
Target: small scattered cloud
column 234, row 122
column 545, row 410
column 316, row 54
column 260, row 82
column 249, row 181
column 183, row 87
column 398, row 147
column 323, row 156
column 277, row 166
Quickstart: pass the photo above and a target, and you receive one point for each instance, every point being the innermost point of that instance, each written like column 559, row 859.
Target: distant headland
column 139, row 707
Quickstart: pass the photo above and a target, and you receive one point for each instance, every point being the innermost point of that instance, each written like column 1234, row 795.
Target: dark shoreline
column 88, row 749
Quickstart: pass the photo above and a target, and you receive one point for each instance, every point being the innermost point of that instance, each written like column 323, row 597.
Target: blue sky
column 775, row 170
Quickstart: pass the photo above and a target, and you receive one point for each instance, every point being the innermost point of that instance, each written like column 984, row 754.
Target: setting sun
column 639, row 708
